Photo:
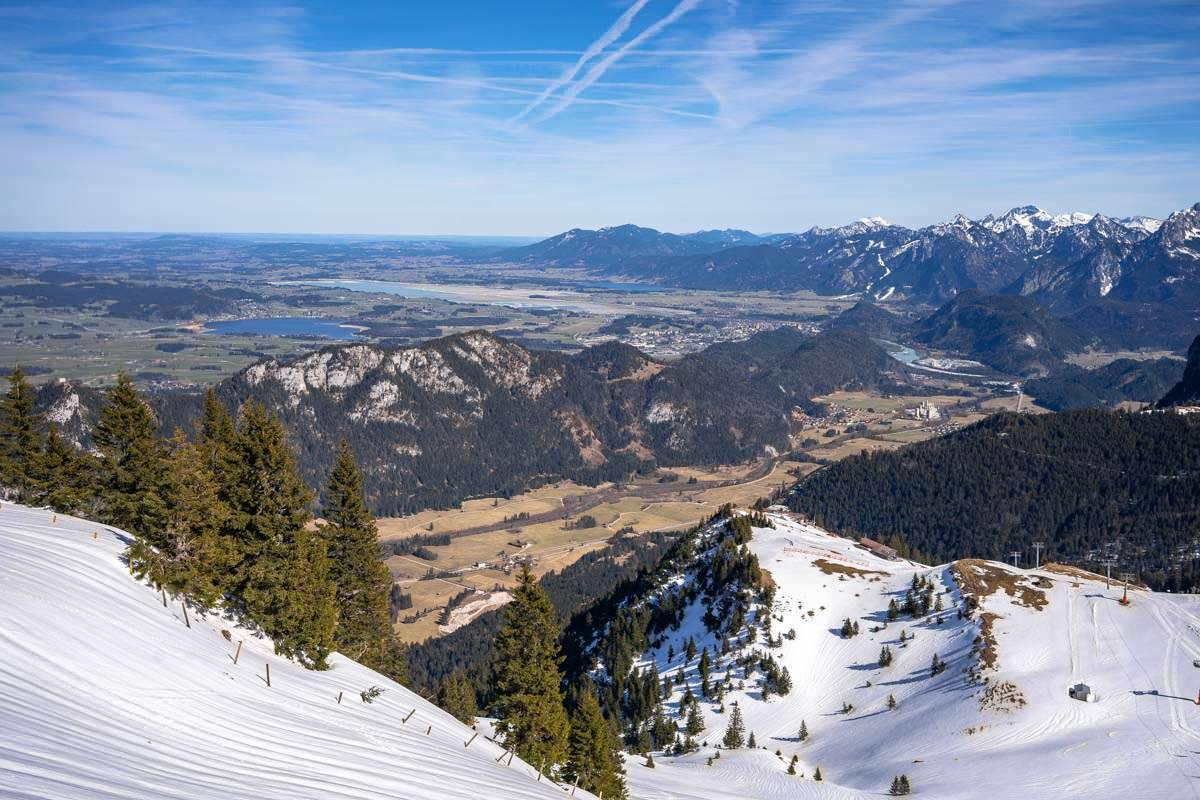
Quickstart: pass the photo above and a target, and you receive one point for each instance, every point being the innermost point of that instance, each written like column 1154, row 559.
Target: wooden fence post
column 429, row 730
column 339, row 698
column 164, row 597
column 468, row 742
column 268, row 675
column 185, row 616
column 409, row 715
column 238, row 653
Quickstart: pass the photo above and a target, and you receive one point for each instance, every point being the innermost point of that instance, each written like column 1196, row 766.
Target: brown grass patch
column 979, row 579
column 1074, row 572
column 765, row 578
column 833, row 568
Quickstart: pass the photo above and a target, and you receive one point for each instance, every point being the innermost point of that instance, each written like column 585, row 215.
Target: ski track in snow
column 104, row 693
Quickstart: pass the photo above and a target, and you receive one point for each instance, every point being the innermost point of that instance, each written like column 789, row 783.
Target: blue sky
column 492, row 117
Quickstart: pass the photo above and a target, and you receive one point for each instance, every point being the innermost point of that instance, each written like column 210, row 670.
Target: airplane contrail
column 602, row 66
column 595, row 48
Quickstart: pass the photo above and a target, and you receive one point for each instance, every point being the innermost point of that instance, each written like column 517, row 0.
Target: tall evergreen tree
column 20, row 436
column 216, row 437
column 131, row 459
column 289, row 594
column 735, row 733
column 283, row 575
column 695, row 723
column 361, row 578
column 594, row 751
column 456, row 697
column 62, row 475
column 529, row 697
column 188, row 554
column 268, row 501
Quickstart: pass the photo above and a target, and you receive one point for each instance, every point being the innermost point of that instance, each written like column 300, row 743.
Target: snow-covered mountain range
column 1064, row 261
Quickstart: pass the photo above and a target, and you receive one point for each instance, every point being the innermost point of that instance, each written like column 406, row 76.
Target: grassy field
column 554, row 544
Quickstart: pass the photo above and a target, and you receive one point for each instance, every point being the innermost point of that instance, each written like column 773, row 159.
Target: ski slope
column 104, row 693
column 1139, row 741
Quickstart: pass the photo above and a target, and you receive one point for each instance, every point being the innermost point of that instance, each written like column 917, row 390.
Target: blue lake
column 283, row 326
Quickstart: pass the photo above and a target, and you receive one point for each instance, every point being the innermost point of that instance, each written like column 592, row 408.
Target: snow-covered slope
column 104, row 693
column 1013, row 733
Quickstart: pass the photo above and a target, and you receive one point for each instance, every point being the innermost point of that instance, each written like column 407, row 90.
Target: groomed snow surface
column 104, row 693
column 1139, row 741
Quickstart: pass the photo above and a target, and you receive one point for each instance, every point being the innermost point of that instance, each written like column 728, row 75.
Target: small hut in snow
column 1082, row 692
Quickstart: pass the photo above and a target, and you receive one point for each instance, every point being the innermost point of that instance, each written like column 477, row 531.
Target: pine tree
column 528, row 696
column 593, row 751
column 649, row 761
column 803, row 736
column 893, row 611
column 289, row 594
column 937, row 666
column 885, row 656
column 283, row 575
column 131, row 460
column 20, row 435
column 817, row 774
column 456, row 697
column 61, row 475
column 216, row 437
column 267, row 499
column 900, row 786
column 695, row 723
column 735, row 732
column 187, row 553
column 361, row 579
column 891, row 702
column 703, row 668
column 750, row 742
column 791, row 770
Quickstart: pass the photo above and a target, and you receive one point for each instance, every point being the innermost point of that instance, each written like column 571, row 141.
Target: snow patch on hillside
column 973, row 731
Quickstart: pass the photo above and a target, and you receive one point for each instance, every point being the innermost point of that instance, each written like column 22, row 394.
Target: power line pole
column 1014, row 556
column 1037, row 558
column 1109, row 562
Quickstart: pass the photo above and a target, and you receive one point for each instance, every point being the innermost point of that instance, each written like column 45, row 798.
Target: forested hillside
column 1086, row 483
column 478, row 415
column 573, row 591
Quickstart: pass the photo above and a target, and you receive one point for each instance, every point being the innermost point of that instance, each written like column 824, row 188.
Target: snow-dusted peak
column 1071, row 219
column 1182, row 226
column 1031, row 219
column 1137, row 223
column 874, row 222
